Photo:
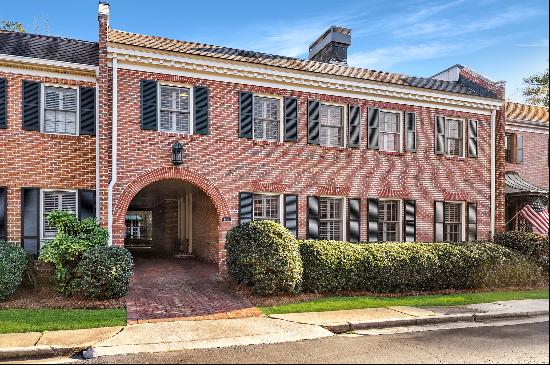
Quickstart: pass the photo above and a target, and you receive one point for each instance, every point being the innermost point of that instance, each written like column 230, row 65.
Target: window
column 266, row 118
column 388, row 220
column 266, row 207
column 454, row 137
column 452, row 230
column 331, row 119
column 330, row 219
column 56, row 200
column 389, row 131
column 60, row 110
column 174, row 109
column 509, row 143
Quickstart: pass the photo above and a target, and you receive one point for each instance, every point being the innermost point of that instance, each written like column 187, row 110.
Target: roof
column 514, row 184
column 49, row 48
column 517, row 111
column 199, row 49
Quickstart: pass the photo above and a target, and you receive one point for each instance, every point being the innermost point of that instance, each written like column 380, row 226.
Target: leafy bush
column 400, row 267
column 530, row 244
column 265, row 256
column 73, row 238
column 13, row 263
column 103, row 273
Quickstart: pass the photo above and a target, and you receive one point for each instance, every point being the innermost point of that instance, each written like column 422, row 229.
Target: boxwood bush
column 530, row 244
column 13, row 263
column 103, row 273
column 265, row 256
column 401, row 267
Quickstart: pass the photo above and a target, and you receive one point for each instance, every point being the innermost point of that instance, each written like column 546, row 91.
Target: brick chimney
column 332, row 46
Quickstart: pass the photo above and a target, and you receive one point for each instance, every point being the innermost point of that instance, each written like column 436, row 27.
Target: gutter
column 114, row 150
column 493, row 171
column 97, row 155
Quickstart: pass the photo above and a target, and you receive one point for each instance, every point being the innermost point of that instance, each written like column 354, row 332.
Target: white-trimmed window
column 331, row 218
column 56, row 200
column 389, row 212
column 452, row 229
column 60, row 110
column 389, row 131
column 266, row 207
column 267, row 117
column 175, row 109
column 454, row 137
column 331, row 131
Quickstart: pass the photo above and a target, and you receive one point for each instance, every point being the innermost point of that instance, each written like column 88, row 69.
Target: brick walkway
column 165, row 289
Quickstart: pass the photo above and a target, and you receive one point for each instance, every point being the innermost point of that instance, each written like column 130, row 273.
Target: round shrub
column 103, row 273
column 13, row 263
column 530, row 244
column 265, row 256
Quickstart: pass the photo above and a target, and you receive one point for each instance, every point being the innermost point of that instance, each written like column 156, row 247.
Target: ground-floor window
column 452, row 229
column 266, row 207
column 56, row 200
column 331, row 219
column 388, row 220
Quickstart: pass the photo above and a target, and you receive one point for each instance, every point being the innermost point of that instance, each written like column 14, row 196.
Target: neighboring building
column 526, row 167
column 330, row 151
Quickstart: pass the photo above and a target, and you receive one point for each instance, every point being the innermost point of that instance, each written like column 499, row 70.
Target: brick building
column 171, row 143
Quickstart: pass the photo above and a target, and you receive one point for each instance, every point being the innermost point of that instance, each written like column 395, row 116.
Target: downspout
column 114, row 149
column 97, row 180
column 493, row 171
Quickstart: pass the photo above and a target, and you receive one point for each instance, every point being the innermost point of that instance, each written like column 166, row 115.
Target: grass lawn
column 342, row 303
column 39, row 320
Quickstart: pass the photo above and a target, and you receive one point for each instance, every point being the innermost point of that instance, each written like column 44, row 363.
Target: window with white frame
column 60, row 110
column 266, row 207
column 331, row 131
column 388, row 220
column 452, row 230
column 454, row 136
column 331, row 219
column 389, row 131
column 56, row 200
column 175, row 109
column 266, row 118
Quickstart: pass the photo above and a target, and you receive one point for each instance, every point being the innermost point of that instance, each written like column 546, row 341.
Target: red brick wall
column 35, row 159
column 205, row 228
column 534, row 168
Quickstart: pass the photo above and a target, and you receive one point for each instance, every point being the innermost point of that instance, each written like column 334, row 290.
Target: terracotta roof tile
column 517, row 111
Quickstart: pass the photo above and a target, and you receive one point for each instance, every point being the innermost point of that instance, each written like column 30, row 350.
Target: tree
column 12, row 26
column 535, row 88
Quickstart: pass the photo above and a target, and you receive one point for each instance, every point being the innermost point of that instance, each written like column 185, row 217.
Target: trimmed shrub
column 13, row 263
column 400, row 267
column 103, row 273
column 530, row 244
column 265, row 256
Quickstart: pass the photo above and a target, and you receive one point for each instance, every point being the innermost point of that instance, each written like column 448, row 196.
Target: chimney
column 332, row 46
column 103, row 11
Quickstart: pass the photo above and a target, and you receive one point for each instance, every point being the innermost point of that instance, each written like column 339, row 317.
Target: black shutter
column 291, row 214
column 30, row 220
column 409, row 221
column 373, row 123
column 291, row 119
column 245, row 207
column 149, row 105
column 201, row 109
column 31, row 105
column 3, row 103
column 472, row 222
column 86, row 204
column 373, row 219
column 246, row 115
column 354, row 220
column 439, row 220
column 313, row 126
column 313, row 217
column 472, row 138
column 410, row 131
column 87, row 111
column 3, row 214
column 354, row 126
column 439, row 135
column 519, row 149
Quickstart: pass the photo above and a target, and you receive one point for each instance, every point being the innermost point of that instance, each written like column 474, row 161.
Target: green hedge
column 401, row 267
column 13, row 263
column 530, row 244
column 265, row 256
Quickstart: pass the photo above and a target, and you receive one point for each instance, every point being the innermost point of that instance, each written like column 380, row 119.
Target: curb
column 37, row 352
column 402, row 322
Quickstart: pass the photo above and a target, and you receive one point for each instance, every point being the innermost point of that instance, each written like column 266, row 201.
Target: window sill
column 455, row 158
column 391, row 153
column 335, row 148
column 257, row 142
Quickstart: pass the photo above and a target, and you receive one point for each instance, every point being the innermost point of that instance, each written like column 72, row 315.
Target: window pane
column 331, row 219
column 60, row 110
column 266, row 118
column 331, row 122
column 266, row 207
column 56, row 200
column 453, row 222
column 388, row 220
column 174, row 109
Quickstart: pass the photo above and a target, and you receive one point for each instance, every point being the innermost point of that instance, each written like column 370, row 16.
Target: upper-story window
column 175, row 109
column 266, row 118
column 60, row 110
column 331, row 132
column 513, row 145
column 331, row 218
column 389, row 131
column 454, row 137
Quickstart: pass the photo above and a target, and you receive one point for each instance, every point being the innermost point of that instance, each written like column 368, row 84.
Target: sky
column 501, row 39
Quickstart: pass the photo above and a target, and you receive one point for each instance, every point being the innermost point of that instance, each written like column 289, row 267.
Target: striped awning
column 516, row 185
